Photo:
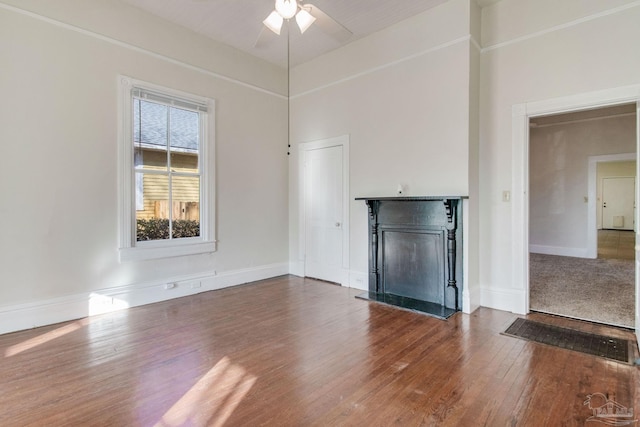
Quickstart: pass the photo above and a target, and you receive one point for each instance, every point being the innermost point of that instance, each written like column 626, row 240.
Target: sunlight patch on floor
column 212, row 400
column 46, row 337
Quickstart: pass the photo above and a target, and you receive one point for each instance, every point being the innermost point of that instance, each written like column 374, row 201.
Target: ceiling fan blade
column 327, row 23
column 267, row 37
column 261, row 41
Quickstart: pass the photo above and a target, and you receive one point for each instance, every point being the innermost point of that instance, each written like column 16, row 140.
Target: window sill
column 166, row 251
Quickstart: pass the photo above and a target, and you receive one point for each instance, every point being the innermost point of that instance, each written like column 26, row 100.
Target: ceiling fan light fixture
column 274, row 22
column 287, row 8
column 304, row 20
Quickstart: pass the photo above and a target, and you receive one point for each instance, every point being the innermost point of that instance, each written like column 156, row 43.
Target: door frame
column 303, row 148
column 592, row 206
column 521, row 113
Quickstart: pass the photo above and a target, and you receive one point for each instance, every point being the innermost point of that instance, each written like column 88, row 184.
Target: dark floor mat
column 597, row 345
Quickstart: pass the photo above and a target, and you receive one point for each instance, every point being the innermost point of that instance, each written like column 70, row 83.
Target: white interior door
column 618, row 203
column 323, row 178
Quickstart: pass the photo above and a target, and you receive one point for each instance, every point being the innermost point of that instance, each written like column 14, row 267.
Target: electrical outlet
column 170, row 285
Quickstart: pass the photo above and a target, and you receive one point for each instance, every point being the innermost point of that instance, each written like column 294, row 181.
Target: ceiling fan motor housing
column 287, row 8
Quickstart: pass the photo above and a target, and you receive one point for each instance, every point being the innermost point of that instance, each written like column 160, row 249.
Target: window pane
column 150, row 134
column 186, row 206
column 137, row 161
column 153, row 222
column 185, row 139
column 184, row 162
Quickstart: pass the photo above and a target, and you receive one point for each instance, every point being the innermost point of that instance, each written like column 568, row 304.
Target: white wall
column 58, row 160
column 404, row 95
column 119, row 21
column 610, row 170
column 533, row 51
column 558, row 179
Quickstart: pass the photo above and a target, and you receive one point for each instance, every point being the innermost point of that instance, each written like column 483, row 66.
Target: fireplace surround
column 415, row 253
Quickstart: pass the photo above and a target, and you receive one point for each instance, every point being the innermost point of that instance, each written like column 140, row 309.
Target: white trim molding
column 471, row 296
column 428, row 51
column 46, row 312
column 560, row 27
column 296, row 268
column 359, row 280
column 505, row 299
column 637, row 247
column 471, row 299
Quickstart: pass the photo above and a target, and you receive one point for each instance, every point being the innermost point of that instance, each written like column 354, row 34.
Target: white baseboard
column 559, row 250
column 247, row 275
column 512, row 300
column 296, row 268
column 55, row 310
column 358, row 280
column 348, row 278
column 470, row 299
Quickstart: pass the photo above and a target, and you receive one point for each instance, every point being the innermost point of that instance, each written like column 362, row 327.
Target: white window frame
column 129, row 248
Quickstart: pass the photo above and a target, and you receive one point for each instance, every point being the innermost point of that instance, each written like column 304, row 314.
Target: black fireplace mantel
column 415, row 252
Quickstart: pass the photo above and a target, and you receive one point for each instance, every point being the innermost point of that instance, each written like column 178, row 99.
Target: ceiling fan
column 305, row 15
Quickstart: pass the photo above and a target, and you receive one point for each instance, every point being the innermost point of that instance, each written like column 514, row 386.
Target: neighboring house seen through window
column 167, row 158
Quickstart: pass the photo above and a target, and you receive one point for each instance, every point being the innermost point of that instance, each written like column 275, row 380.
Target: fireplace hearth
column 415, row 253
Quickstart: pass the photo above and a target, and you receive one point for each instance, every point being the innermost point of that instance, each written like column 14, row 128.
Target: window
column 166, row 171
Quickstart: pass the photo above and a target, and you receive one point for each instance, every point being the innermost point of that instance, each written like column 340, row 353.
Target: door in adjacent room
column 325, row 214
column 618, row 203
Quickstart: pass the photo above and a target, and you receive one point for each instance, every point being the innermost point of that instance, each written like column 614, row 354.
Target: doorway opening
column 600, row 167
column 616, row 209
column 582, row 191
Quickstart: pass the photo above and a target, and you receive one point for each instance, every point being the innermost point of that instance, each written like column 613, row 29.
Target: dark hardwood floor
column 294, row 352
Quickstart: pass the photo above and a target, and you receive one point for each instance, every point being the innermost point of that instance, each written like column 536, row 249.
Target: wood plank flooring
column 617, row 244
column 298, row 352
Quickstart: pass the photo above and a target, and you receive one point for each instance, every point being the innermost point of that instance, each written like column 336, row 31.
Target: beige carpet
column 599, row 290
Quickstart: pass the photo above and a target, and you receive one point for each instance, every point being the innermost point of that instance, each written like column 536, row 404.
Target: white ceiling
column 238, row 23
